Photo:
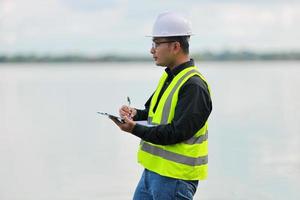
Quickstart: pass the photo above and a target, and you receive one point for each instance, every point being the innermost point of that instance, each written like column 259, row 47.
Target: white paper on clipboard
column 145, row 123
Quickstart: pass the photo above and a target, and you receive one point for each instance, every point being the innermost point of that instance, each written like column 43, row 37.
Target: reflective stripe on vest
column 174, row 156
column 197, row 140
column 192, row 140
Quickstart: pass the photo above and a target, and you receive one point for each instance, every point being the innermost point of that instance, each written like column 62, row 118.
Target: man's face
column 162, row 51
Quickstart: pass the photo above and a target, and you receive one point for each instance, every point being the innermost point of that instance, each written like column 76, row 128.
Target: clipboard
column 119, row 119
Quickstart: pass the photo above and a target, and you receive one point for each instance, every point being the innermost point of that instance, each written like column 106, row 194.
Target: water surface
column 54, row 146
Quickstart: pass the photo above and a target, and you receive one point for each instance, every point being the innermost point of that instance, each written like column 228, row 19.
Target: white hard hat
column 170, row 24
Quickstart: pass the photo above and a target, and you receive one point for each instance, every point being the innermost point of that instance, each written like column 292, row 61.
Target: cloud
column 50, row 24
column 90, row 5
column 57, row 26
column 249, row 25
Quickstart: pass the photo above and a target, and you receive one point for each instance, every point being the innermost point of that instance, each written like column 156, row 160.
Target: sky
column 95, row 27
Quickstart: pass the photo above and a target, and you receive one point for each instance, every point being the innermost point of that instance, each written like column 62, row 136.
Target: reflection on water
column 53, row 145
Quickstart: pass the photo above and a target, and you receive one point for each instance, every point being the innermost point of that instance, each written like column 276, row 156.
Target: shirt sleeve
column 192, row 111
column 141, row 115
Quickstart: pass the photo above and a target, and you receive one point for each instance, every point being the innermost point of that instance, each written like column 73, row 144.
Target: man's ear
column 176, row 47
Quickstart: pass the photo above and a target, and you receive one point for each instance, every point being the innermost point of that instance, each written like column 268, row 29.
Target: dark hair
column 183, row 41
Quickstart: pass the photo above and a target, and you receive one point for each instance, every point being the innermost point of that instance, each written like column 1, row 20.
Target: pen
column 129, row 103
column 128, row 100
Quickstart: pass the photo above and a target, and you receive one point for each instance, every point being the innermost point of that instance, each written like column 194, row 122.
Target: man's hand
column 127, row 111
column 127, row 126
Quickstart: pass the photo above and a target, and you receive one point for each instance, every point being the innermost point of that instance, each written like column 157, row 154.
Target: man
column 173, row 150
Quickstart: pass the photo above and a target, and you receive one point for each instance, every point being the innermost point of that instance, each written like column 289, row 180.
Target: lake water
column 53, row 145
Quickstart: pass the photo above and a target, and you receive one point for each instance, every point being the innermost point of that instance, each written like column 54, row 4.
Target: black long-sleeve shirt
column 192, row 110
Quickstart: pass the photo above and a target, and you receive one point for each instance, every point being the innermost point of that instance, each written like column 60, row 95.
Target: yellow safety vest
column 186, row 160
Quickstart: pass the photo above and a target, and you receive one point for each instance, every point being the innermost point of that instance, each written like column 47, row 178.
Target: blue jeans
column 153, row 186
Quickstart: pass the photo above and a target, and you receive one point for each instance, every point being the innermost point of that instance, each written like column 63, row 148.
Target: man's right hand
column 127, row 111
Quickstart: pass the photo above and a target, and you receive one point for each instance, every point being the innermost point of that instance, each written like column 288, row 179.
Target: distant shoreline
column 204, row 56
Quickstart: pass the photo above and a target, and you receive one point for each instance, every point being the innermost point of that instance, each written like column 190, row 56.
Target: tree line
column 203, row 56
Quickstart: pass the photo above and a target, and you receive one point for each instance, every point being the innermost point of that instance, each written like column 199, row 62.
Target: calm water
column 53, row 145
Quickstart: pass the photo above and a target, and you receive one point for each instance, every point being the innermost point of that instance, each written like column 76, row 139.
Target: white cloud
column 62, row 26
column 247, row 25
column 52, row 22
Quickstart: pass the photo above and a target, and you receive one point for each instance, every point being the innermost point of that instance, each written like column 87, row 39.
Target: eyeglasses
column 156, row 44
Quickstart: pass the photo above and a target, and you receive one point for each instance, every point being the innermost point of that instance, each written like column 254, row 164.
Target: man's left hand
column 127, row 126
